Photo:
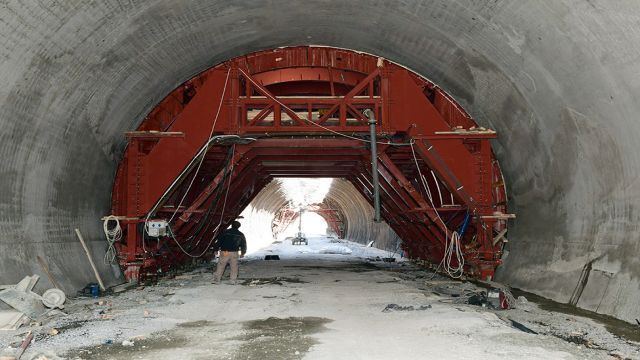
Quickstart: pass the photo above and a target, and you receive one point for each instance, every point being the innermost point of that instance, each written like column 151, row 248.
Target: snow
column 322, row 245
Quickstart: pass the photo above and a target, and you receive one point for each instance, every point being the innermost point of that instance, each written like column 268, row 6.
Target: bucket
column 95, row 290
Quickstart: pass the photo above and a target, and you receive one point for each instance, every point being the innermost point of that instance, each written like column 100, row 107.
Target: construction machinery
column 206, row 150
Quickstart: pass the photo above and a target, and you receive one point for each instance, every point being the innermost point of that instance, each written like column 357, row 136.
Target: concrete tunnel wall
column 558, row 81
column 358, row 213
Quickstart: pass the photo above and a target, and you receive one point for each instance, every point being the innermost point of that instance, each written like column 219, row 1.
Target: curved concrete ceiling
column 558, row 81
column 358, row 213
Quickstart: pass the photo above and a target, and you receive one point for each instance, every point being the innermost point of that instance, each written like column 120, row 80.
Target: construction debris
column 25, row 344
column 396, row 307
column 54, row 299
column 128, row 343
column 21, row 298
column 11, row 320
column 27, row 304
column 290, row 288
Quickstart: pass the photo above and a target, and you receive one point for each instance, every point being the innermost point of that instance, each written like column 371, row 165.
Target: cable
column 204, row 221
column 215, row 120
column 316, row 124
column 452, row 246
column 185, row 251
column 113, row 235
column 219, row 223
column 202, row 155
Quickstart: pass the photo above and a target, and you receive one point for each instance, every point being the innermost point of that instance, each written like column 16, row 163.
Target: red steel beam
column 299, row 84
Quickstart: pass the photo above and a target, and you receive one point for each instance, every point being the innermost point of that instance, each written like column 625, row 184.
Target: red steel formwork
column 211, row 145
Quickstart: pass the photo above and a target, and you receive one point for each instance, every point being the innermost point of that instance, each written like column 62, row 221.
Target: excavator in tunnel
column 206, row 150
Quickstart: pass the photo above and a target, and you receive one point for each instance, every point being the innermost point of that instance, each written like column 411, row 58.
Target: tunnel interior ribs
column 284, row 113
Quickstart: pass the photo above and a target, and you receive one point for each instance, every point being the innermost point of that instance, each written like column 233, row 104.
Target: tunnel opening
column 307, row 198
column 204, row 153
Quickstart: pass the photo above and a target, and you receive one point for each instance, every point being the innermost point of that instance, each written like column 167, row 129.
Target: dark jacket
column 231, row 240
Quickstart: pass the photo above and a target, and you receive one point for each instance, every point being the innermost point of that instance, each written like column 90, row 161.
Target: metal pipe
column 374, row 164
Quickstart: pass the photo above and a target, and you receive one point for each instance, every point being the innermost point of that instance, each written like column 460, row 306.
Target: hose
column 113, row 235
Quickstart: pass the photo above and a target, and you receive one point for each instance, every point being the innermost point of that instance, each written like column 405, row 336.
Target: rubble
column 27, row 304
column 409, row 291
column 128, row 343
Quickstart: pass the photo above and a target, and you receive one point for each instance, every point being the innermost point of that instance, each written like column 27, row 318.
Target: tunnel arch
column 311, row 112
column 568, row 151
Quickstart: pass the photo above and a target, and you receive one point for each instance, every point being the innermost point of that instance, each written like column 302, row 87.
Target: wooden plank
column 46, row 270
column 93, row 266
column 499, row 216
column 499, row 236
column 121, row 218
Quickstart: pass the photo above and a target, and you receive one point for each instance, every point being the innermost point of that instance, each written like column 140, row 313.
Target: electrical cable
column 202, row 153
column 216, row 198
column 215, row 120
column 113, row 235
column 452, row 244
column 217, row 226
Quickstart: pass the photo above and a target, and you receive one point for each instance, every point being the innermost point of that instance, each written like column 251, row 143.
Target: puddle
column 615, row 326
column 351, row 267
column 196, row 324
column 117, row 351
column 279, row 338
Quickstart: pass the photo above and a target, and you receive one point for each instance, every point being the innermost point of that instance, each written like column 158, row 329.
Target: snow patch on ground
column 322, row 245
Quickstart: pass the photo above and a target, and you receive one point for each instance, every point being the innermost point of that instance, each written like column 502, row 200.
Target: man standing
column 229, row 243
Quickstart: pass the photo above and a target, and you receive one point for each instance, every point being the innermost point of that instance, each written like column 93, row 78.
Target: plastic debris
column 54, row 299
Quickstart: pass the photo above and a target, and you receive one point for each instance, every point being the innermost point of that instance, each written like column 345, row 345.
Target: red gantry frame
column 285, row 113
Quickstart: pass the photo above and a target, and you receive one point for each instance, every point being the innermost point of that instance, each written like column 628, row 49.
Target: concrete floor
column 311, row 306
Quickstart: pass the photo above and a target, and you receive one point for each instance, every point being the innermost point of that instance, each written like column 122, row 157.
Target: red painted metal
column 298, row 112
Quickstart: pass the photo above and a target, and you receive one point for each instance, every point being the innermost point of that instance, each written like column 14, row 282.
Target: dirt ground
column 313, row 304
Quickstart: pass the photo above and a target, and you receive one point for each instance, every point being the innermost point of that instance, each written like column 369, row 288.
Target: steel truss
column 298, row 112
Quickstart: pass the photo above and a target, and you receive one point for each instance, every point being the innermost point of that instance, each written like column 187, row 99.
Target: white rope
column 202, row 154
column 224, row 204
column 113, row 235
column 195, row 175
column 452, row 246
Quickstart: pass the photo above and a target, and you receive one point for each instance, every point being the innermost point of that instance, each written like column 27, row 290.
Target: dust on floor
column 313, row 306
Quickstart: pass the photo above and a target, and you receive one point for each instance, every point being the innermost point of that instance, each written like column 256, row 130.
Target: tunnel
column 556, row 82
